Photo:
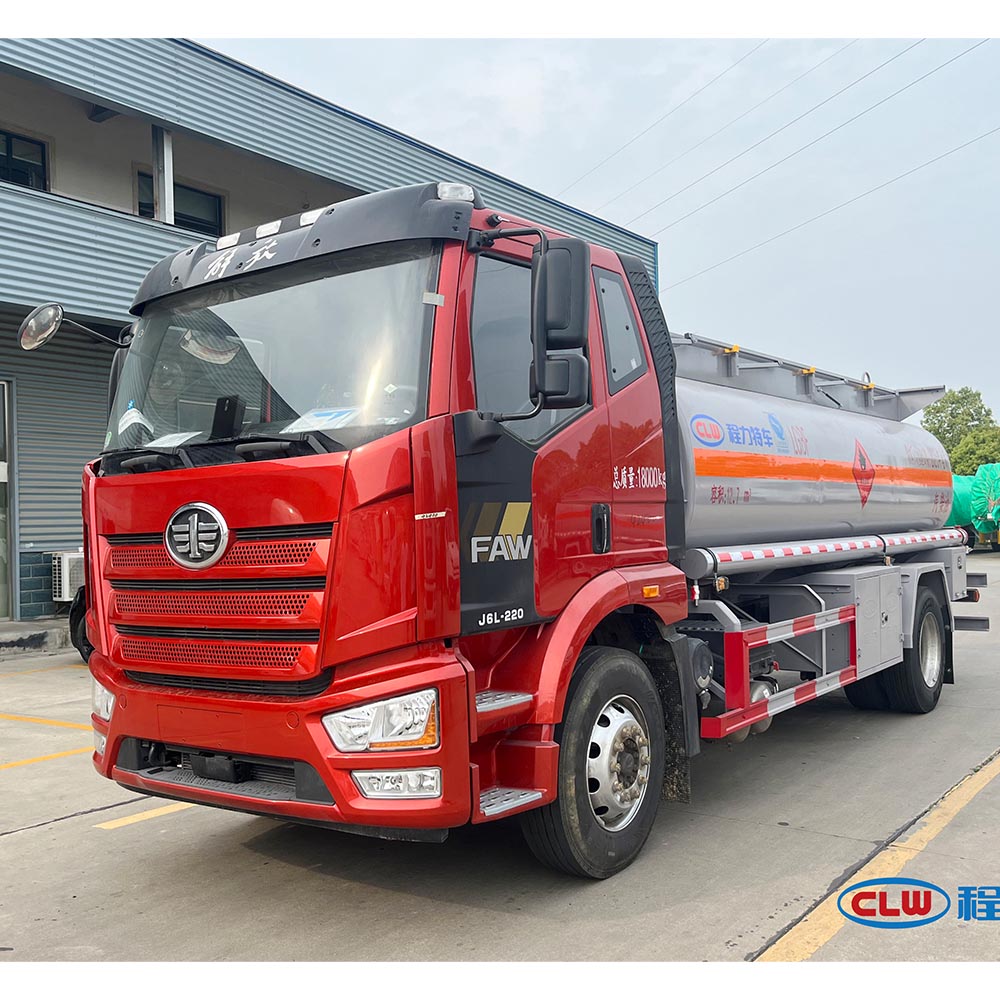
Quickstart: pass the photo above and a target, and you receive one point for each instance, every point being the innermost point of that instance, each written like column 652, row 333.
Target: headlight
column 102, row 700
column 407, row 722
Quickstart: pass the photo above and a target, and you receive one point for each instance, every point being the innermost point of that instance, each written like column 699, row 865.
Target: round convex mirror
column 40, row 325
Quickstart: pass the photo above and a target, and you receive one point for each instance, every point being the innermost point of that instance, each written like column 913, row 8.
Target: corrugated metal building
column 116, row 152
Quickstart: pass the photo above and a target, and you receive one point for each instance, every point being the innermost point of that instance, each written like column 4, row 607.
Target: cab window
column 501, row 347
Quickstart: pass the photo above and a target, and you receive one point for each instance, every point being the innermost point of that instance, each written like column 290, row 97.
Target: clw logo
column 707, row 430
column 894, row 902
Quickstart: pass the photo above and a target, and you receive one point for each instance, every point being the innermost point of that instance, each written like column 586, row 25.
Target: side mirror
column 40, row 326
column 560, row 314
column 567, row 381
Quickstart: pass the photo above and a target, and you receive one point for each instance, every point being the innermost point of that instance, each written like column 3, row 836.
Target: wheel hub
column 931, row 649
column 618, row 763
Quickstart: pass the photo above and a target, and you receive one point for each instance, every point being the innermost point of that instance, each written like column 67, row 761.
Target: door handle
column 600, row 527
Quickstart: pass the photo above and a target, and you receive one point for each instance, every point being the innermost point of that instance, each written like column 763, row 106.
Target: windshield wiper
column 250, row 444
column 149, row 456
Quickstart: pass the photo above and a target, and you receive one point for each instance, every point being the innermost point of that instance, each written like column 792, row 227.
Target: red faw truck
column 412, row 515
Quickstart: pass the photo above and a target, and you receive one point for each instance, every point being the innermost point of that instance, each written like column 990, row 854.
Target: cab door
column 638, row 475
column 566, row 453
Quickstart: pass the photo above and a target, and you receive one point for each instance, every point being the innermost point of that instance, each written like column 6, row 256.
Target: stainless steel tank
column 761, row 468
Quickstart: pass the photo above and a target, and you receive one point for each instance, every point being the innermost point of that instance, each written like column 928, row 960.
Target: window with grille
column 196, row 210
column 22, row 161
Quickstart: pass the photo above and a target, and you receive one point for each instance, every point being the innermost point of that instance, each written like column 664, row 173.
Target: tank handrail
column 733, row 365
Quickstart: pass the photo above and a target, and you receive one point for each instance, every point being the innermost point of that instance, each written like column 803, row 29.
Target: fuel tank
column 760, row 468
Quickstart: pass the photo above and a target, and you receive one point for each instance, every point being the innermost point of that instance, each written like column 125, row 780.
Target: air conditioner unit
column 67, row 575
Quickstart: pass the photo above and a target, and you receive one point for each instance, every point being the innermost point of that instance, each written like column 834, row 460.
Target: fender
column 546, row 661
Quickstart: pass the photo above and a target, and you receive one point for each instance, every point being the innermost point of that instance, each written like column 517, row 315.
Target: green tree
column 978, row 447
column 955, row 414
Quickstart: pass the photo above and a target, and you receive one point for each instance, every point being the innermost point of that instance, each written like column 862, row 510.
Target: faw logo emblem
column 499, row 533
column 196, row 536
column 894, row 902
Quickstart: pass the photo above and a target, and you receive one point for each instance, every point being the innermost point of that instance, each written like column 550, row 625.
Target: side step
column 497, row 711
column 496, row 801
column 493, row 701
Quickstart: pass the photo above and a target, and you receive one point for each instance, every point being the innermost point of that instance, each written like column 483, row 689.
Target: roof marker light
column 268, row 229
column 453, row 191
column 308, row 218
column 227, row 241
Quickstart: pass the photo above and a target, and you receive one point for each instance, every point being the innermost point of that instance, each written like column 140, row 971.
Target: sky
column 903, row 283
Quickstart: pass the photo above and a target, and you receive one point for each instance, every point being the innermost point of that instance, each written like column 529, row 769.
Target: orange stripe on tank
column 748, row 465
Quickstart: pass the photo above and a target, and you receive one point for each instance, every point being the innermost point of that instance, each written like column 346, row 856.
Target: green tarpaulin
column 961, row 502
column 986, row 498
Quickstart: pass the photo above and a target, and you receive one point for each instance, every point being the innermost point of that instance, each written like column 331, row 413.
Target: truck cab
column 359, row 464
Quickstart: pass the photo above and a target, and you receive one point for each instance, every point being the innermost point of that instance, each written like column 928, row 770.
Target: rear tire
column 914, row 685
column 612, row 734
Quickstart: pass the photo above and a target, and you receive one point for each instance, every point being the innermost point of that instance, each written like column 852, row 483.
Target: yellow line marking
column 48, row 756
column 42, row 670
column 148, row 814
column 44, row 722
column 815, row 930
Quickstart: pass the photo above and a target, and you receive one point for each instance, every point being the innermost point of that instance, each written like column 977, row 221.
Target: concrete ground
column 777, row 824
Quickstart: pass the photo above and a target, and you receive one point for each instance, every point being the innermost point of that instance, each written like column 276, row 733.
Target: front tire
column 611, row 761
column 78, row 625
column 914, row 685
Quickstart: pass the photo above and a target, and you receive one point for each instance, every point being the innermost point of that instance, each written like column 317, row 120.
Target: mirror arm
column 485, row 238
column 503, row 417
column 123, row 340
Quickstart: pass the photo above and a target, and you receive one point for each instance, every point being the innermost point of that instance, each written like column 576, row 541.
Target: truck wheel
column 78, row 625
column 611, row 760
column 868, row 693
column 914, row 684
column 995, row 546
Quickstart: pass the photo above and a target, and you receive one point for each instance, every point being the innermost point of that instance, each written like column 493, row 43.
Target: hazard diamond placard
column 864, row 472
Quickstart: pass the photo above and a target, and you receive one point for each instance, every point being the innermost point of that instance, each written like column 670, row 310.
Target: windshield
column 336, row 348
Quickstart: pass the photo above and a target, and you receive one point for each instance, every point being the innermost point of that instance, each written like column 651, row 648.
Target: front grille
column 283, row 605
column 217, row 654
column 280, row 689
column 252, row 553
column 262, row 620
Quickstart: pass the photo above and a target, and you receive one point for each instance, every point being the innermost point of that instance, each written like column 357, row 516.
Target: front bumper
column 289, row 731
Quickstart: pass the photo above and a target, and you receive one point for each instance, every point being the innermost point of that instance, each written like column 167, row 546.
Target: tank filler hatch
column 704, row 360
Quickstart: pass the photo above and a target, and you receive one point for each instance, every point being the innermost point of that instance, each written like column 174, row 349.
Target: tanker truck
column 412, row 515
